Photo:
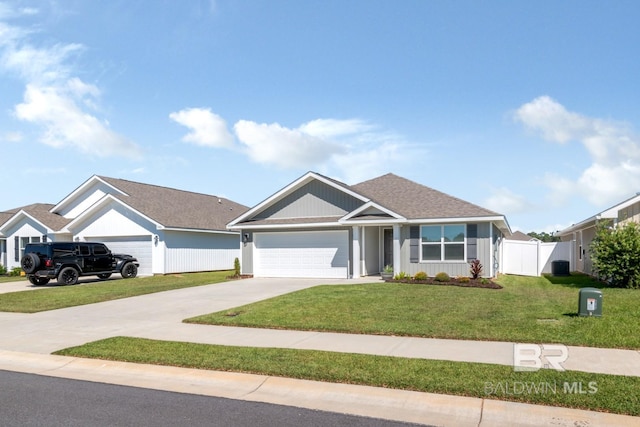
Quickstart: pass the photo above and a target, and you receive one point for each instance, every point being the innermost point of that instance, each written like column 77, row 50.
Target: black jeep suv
column 66, row 261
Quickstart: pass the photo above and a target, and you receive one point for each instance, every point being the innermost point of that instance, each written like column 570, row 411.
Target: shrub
column 616, row 254
column 420, row 275
column 388, row 268
column 3, row 270
column 402, row 276
column 463, row 279
column 476, row 268
column 442, row 277
column 15, row 271
column 236, row 267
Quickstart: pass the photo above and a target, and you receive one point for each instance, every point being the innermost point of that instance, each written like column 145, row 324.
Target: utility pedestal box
column 590, row 302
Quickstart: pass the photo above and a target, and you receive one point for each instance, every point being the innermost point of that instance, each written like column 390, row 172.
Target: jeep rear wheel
column 30, row 263
column 129, row 270
column 38, row 281
column 68, row 276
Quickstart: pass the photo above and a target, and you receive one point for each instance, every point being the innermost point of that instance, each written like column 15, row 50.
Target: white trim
column 198, row 230
column 81, row 188
column 18, row 215
column 308, row 177
column 369, row 205
column 103, row 202
column 284, row 226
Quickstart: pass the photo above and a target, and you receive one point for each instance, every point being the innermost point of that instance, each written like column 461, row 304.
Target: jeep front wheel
column 68, row 276
column 30, row 263
column 129, row 270
column 38, row 281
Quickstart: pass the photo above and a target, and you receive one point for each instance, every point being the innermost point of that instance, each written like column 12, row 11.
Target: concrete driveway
column 157, row 315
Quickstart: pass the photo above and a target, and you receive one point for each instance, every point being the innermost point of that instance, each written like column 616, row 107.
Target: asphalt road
column 34, row 400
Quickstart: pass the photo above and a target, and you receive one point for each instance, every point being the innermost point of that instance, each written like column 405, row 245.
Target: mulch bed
column 472, row 283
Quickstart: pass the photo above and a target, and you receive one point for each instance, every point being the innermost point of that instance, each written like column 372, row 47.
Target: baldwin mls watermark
column 531, row 358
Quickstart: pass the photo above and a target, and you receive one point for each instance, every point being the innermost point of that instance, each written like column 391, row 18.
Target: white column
column 396, row 249
column 355, row 262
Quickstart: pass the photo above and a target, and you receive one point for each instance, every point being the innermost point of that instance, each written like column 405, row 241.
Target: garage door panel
column 302, row 254
column 137, row 246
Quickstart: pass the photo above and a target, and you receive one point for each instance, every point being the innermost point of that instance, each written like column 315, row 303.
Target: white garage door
column 322, row 254
column 137, row 246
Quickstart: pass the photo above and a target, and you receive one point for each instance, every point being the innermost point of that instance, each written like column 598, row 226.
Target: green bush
column 236, row 267
column 420, row 275
column 615, row 253
column 3, row 270
column 401, row 276
column 463, row 279
column 15, row 271
column 442, row 277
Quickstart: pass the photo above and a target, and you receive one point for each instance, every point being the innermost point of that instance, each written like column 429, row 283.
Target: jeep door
column 102, row 259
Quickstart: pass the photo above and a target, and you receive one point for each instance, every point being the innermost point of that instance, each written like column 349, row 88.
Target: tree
column 615, row 253
column 544, row 236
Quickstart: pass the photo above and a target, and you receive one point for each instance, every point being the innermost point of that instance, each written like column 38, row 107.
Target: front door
column 387, row 247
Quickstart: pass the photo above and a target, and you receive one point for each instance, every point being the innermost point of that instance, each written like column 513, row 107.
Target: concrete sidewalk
column 28, row 339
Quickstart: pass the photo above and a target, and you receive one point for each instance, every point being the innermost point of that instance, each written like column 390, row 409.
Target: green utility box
column 590, row 302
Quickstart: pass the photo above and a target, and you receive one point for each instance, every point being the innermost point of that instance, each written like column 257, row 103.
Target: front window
column 24, row 241
column 443, row 242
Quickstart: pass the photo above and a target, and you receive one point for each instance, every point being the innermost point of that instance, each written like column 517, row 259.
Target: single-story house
column 521, row 237
column 583, row 233
column 319, row 227
column 168, row 230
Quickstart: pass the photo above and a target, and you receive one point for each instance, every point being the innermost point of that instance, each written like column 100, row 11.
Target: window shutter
column 16, row 249
column 44, row 238
column 472, row 242
column 414, row 244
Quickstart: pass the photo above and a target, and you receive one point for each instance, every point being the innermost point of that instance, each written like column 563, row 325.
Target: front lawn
column 527, row 309
column 597, row 392
column 92, row 291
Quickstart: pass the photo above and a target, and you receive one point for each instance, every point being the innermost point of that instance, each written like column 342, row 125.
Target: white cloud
column 504, row 201
column 330, row 128
column 207, row 128
column 613, row 147
column 54, row 99
column 283, row 147
column 66, row 125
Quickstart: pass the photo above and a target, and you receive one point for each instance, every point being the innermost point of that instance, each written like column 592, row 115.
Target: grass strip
column 55, row 297
column 527, row 309
column 572, row 389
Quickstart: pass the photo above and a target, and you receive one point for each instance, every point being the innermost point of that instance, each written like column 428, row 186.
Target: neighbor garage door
column 137, row 246
column 322, row 254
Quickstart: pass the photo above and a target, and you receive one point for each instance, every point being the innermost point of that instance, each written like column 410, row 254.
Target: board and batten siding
column 191, row 251
column 314, row 199
column 483, row 252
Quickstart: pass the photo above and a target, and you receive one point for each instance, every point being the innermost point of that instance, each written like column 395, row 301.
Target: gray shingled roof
column 177, row 208
column 416, row 201
column 41, row 212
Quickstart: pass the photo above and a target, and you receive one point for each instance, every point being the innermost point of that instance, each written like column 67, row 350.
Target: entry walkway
column 26, row 341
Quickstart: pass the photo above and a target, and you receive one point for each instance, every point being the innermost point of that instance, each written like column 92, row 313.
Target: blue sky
column 527, row 108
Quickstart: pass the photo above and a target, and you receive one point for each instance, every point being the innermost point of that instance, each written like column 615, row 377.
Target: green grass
column 4, row 279
column 528, row 309
column 606, row 393
column 55, row 297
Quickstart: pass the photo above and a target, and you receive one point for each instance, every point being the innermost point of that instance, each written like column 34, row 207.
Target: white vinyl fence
column 534, row 258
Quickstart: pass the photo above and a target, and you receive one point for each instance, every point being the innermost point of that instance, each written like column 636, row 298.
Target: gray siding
column 484, row 254
column 314, row 199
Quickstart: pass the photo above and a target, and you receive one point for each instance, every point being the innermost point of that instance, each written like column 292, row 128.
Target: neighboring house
column 583, row 233
column 320, row 227
column 168, row 230
column 520, row 236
